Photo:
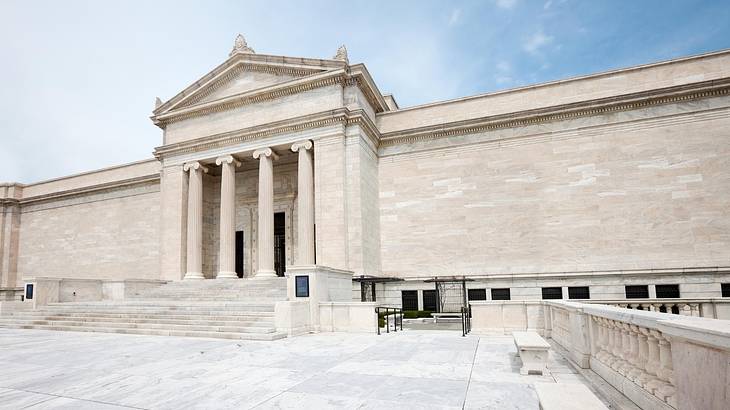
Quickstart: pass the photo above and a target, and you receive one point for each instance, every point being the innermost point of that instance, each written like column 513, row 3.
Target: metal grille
column 552, row 293
column 667, row 291
column 430, row 300
column 409, row 299
column 637, row 292
column 452, row 296
column 500, row 294
column 726, row 290
column 579, row 292
column 477, row 294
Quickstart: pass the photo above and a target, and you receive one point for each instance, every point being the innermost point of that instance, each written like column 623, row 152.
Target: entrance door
column 239, row 253
column 280, row 243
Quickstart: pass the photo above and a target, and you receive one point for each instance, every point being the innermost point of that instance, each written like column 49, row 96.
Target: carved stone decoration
column 240, row 46
column 158, row 102
column 341, row 54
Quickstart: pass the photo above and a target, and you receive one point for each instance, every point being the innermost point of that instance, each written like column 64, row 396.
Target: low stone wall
column 348, row 317
column 657, row 360
column 55, row 290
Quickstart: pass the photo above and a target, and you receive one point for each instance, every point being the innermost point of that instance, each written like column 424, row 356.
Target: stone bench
column 455, row 316
column 533, row 351
column 559, row 396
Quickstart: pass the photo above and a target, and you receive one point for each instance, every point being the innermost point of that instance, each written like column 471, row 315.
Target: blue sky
column 81, row 76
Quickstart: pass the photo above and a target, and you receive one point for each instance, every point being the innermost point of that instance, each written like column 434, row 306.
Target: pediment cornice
column 356, row 77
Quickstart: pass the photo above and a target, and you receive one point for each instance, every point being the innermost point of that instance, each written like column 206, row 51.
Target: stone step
column 230, row 316
column 253, row 322
column 158, row 332
column 161, row 308
column 155, row 326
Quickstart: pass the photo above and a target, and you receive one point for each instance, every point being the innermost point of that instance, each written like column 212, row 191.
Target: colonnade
column 227, row 251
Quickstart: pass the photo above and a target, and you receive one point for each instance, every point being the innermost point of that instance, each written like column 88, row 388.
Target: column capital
column 267, row 152
column 194, row 165
column 228, row 159
column 306, row 145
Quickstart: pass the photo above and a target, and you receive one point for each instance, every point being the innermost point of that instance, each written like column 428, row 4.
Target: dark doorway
column 280, row 243
column 239, row 253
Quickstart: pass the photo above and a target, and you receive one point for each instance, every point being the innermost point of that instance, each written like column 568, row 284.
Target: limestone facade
column 604, row 180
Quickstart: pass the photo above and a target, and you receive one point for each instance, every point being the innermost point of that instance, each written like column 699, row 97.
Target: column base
column 227, row 275
column 265, row 274
column 193, row 276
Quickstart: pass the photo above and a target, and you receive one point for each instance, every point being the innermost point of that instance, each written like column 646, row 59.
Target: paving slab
column 412, row 369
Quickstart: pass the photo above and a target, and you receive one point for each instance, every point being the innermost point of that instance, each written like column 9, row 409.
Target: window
column 409, row 299
column 637, row 292
column 726, row 290
column 667, row 291
column 579, row 292
column 477, row 294
column 239, row 254
column 552, row 293
column 430, row 302
column 500, row 294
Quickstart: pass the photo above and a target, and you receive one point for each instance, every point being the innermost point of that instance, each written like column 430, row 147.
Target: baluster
column 636, row 368
column 643, row 357
column 684, row 309
column 654, row 363
column 602, row 354
column 657, row 307
column 616, row 361
column 626, row 349
column 668, row 307
column 695, row 309
column 666, row 392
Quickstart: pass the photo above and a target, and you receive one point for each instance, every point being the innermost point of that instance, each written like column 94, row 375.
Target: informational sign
column 302, row 286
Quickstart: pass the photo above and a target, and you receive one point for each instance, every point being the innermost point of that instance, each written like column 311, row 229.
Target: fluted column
column 195, row 220
column 305, row 203
column 266, row 158
column 227, row 252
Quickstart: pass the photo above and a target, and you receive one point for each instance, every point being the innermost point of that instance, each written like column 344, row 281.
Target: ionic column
column 266, row 158
column 227, row 251
column 305, row 203
column 195, row 220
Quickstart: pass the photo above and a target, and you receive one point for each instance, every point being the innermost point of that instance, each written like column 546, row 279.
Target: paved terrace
column 408, row 370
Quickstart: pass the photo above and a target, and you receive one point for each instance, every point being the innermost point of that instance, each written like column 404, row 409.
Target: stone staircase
column 230, row 309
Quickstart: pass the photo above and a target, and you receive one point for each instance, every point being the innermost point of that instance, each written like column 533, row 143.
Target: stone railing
column 715, row 308
column 657, row 360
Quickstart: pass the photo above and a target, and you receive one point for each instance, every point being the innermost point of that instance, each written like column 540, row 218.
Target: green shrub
column 415, row 314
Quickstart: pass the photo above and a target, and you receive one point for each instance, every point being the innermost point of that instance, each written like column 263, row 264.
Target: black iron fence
column 465, row 320
column 383, row 314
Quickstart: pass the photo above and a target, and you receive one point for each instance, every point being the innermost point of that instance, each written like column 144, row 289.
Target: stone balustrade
column 716, row 308
column 656, row 360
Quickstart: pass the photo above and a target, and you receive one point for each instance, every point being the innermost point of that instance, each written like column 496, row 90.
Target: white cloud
column 548, row 4
column 536, row 41
column 455, row 17
column 503, row 80
column 506, row 4
column 504, row 66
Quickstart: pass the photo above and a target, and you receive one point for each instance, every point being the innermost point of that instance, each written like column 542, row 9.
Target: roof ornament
column 158, row 102
column 240, row 46
column 341, row 54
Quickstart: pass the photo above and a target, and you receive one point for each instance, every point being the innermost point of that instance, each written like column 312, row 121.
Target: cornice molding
column 91, row 189
column 341, row 116
column 627, row 102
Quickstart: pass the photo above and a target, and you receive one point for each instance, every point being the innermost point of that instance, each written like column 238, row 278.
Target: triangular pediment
column 243, row 74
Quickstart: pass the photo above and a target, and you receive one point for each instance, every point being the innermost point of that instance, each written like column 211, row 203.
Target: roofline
column 79, row 174
column 561, row 81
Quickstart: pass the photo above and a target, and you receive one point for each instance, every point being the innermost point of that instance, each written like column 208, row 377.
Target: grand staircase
column 230, row 309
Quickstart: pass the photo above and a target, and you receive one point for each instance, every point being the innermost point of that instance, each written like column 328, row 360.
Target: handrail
column 397, row 314
column 465, row 320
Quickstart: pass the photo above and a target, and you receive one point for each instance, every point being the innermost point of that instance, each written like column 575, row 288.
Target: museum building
column 608, row 186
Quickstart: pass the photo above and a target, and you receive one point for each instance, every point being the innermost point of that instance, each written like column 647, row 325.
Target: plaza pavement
column 413, row 369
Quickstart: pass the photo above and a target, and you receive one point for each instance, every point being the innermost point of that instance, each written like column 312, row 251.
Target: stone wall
column 641, row 195
column 107, row 234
